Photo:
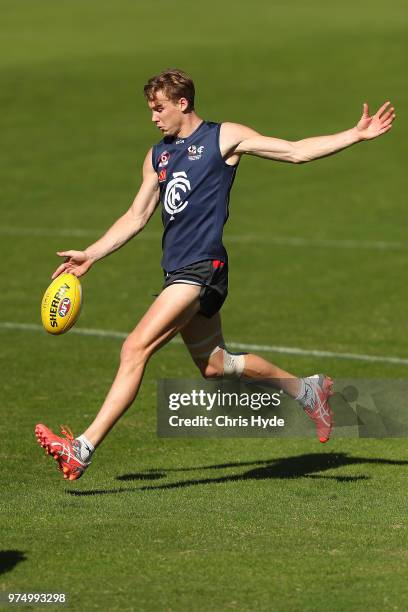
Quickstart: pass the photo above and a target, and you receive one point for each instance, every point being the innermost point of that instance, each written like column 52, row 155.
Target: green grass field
column 197, row 524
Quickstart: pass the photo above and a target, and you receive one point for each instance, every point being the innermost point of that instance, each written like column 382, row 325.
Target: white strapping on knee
column 234, row 363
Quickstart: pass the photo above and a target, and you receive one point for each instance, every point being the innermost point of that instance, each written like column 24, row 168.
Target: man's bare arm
column 125, row 228
column 237, row 140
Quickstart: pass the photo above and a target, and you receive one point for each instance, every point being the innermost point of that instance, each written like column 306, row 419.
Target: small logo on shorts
column 64, row 307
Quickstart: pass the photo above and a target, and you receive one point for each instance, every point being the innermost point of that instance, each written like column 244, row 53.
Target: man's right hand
column 76, row 263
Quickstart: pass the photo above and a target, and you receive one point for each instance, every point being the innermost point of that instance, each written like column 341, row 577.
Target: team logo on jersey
column 162, row 175
column 176, row 190
column 195, row 152
column 164, row 159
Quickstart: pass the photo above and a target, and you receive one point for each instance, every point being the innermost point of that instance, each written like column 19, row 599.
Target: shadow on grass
column 9, row 559
column 300, row 466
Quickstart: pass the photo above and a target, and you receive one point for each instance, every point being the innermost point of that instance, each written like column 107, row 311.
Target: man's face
column 166, row 114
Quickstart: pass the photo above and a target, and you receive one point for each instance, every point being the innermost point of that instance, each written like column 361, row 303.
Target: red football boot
column 319, row 409
column 65, row 451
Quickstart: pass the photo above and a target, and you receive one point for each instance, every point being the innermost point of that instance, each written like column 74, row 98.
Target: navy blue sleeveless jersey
column 195, row 184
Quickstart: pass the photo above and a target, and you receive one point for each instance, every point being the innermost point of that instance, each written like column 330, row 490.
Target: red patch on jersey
column 162, row 175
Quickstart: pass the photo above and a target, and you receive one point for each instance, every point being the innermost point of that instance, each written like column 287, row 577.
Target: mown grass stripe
column 292, row 241
column 263, row 348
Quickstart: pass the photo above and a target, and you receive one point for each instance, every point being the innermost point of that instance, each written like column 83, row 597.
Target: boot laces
column 66, row 431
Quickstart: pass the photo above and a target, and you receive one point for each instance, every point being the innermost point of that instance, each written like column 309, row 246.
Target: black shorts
column 212, row 275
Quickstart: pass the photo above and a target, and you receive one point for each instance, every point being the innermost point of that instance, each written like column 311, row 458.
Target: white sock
column 86, row 448
column 306, row 391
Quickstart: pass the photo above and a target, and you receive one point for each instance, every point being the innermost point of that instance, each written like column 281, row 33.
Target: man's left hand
column 372, row 126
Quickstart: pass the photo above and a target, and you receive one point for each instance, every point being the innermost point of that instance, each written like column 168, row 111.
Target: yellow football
column 61, row 304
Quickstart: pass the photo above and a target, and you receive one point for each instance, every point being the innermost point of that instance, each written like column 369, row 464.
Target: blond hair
column 175, row 84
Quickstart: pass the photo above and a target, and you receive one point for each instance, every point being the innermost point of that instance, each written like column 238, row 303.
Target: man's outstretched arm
column 125, row 228
column 237, row 140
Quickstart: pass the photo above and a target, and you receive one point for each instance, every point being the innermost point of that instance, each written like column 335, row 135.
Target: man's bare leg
column 173, row 308
column 202, row 336
column 205, row 342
